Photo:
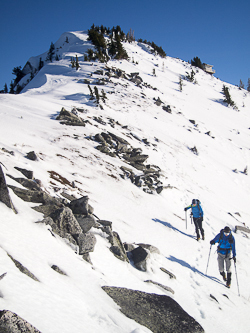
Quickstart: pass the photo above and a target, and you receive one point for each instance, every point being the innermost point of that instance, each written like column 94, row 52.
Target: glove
column 212, row 242
column 185, row 209
column 234, row 259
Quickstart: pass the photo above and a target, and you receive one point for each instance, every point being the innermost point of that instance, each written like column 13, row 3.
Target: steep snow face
column 215, row 175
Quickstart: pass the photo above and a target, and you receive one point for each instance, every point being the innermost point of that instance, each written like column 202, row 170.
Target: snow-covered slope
column 219, row 133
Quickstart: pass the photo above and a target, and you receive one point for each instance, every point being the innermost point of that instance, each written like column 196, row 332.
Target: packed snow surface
column 76, row 303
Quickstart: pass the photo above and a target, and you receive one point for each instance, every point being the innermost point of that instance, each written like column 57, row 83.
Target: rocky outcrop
column 241, row 228
column 159, row 313
column 69, row 118
column 4, row 192
column 148, row 178
column 10, row 322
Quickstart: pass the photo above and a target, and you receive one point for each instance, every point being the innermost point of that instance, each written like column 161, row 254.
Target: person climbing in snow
column 225, row 250
column 197, row 213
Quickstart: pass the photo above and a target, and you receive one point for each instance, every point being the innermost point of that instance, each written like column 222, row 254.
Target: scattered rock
column 161, row 286
column 167, row 108
column 171, row 275
column 23, row 269
column 58, row 270
column 32, row 156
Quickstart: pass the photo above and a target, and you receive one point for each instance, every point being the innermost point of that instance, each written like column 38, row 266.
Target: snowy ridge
column 221, row 136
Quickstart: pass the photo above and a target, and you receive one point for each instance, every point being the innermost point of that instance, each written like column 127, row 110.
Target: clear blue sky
column 217, row 31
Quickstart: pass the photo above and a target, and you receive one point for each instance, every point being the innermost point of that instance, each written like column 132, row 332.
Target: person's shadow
column 182, row 262
column 169, row 225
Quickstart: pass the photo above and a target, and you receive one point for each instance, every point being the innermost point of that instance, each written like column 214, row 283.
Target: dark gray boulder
column 81, row 206
column 4, row 192
column 85, row 222
column 86, row 243
column 159, row 313
column 150, row 248
column 117, row 247
column 140, row 257
column 28, row 183
column 27, row 173
column 32, row 156
column 10, row 322
column 35, row 196
column 46, row 210
column 66, row 223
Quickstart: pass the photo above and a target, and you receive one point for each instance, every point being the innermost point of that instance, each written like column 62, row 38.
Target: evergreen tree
column 41, row 63
column 190, row 77
column 77, row 63
column 196, row 62
column 180, row 82
column 73, row 62
column 5, row 89
column 19, row 74
column 12, row 88
column 103, row 96
column 51, row 52
column 241, row 85
column 248, row 85
column 91, row 93
column 18, row 89
column 227, row 96
column 97, row 96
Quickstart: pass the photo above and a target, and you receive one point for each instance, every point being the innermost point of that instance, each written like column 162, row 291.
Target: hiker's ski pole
column 236, row 278
column 186, row 218
column 208, row 257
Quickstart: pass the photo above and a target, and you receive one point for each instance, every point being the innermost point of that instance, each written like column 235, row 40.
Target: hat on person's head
column 194, row 201
column 227, row 230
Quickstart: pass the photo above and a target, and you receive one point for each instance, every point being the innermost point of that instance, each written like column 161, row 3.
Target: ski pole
column 208, row 257
column 186, row 218
column 236, row 278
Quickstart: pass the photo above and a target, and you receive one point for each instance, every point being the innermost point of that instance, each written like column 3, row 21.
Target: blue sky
column 215, row 31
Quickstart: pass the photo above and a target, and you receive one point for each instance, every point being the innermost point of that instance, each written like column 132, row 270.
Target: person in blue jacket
column 225, row 250
column 197, row 213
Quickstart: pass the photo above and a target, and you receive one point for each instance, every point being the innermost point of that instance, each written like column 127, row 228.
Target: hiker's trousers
column 224, row 259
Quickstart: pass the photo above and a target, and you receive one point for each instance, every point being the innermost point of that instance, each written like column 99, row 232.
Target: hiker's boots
column 229, row 276
column 224, row 275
